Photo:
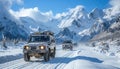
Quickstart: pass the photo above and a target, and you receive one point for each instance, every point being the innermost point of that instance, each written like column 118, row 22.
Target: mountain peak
column 95, row 10
column 96, row 13
column 77, row 9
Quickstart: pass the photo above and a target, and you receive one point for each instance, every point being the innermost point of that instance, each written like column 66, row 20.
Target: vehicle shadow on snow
column 38, row 60
column 67, row 59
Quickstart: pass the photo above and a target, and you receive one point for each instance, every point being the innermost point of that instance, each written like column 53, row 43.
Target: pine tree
column 3, row 38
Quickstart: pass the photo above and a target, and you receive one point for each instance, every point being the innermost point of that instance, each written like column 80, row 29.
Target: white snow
column 10, row 52
column 84, row 32
column 12, row 49
column 82, row 57
column 76, row 18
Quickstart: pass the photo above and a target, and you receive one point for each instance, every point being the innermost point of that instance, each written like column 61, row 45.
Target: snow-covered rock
column 96, row 14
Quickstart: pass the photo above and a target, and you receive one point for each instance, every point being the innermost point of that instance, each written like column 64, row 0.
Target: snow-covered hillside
column 75, row 21
column 112, row 32
column 10, row 27
column 104, row 22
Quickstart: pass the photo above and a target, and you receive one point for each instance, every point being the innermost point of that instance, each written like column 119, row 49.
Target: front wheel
column 46, row 56
column 53, row 54
column 26, row 57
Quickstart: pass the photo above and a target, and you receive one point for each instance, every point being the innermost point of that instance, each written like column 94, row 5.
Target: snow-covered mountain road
column 60, row 61
column 80, row 58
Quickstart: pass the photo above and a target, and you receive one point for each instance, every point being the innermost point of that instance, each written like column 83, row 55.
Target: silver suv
column 67, row 44
column 40, row 45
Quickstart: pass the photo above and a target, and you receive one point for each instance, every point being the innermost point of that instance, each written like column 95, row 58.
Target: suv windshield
column 39, row 38
column 67, row 42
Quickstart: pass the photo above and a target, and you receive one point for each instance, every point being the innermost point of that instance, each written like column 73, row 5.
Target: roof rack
column 43, row 33
column 48, row 33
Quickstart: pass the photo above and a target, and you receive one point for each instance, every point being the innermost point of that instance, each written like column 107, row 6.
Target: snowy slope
column 111, row 31
column 82, row 25
column 67, row 34
column 75, row 19
column 35, row 26
column 11, row 29
column 96, row 14
column 103, row 21
column 9, row 25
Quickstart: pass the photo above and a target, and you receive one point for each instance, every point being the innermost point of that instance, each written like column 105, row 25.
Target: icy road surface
column 82, row 57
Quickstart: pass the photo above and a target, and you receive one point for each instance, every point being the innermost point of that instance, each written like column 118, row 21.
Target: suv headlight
column 41, row 47
column 26, row 47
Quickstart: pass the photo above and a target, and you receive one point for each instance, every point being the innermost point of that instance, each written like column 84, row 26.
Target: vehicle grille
column 33, row 48
column 67, row 45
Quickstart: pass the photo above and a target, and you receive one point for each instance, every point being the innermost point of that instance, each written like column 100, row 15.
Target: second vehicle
column 67, row 44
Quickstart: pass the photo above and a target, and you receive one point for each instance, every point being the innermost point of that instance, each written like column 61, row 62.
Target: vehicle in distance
column 67, row 44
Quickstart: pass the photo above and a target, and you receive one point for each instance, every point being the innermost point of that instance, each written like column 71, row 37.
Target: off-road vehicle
column 67, row 44
column 40, row 44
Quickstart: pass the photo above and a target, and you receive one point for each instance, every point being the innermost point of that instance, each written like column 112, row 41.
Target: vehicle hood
column 37, row 44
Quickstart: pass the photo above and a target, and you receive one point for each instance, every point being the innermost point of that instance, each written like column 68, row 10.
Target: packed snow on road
column 83, row 56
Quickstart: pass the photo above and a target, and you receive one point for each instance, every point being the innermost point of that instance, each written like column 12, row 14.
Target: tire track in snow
column 44, row 65
column 10, row 63
column 59, row 62
column 31, row 66
column 61, row 66
column 20, row 63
